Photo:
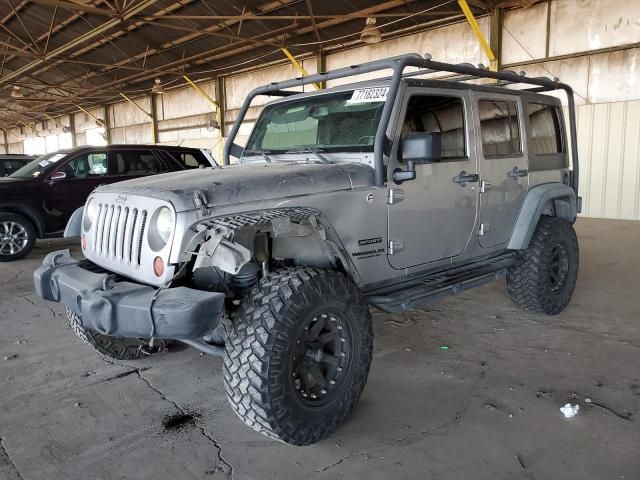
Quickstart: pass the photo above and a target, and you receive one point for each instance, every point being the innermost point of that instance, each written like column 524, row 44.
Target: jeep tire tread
column 111, row 347
column 544, row 280
column 263, row 342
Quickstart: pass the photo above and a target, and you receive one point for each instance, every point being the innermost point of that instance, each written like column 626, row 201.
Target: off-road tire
column 28, row 228
column 531, row 281
column 111, row 347
column 261, row 345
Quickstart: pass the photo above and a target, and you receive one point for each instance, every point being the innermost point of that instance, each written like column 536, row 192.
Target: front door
column 84, row 173
column 502, row 164
column 432, row 217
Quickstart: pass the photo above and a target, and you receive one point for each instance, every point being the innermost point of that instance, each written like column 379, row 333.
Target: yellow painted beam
column 219, row 118
column 493, row 62
column 99, row 120
column 299, row 66
column 201, row 92
column 10, row 133
column 30, row 128
column 55, row 121
column 136, row 105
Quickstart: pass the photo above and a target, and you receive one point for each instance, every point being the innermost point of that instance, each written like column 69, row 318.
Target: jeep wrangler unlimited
column 389, row 193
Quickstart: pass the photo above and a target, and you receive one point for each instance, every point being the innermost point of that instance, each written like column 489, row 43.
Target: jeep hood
column 235, row 184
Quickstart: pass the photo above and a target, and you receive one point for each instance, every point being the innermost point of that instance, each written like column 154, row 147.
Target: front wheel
column 17, row 236
column 544, row 280
column 112, row 347
column 298, row 353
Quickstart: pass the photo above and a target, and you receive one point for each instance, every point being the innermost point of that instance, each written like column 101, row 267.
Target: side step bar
column 436, row 287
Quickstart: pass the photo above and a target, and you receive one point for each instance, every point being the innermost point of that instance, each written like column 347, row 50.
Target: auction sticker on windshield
column 367, row 95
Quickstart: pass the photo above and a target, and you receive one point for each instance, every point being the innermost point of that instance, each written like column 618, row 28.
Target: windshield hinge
column 200, row 201
column 395, row 195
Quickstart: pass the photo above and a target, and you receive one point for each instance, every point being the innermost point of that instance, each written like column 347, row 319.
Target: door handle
column 516, row 172
column 463, row 178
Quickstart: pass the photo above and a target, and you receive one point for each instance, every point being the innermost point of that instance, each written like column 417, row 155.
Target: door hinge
column 484, row 186
column 484, row 228
column 395, row 195
column 395, row 246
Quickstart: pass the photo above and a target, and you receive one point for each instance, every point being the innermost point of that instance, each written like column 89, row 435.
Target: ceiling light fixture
column 157, row 88
column 370, row 33
column 16, row 93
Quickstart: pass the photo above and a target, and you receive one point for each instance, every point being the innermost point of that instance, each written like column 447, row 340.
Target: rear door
column 128, row 164
column 502, row 165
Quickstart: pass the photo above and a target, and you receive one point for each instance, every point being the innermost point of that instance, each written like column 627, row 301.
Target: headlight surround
column 90, row 213
column 162, row 224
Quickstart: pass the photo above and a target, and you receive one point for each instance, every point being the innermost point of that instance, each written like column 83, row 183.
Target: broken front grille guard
column 398, row 65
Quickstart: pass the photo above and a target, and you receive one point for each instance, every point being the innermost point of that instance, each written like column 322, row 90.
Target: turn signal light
column 158, row 266
column 83, row 242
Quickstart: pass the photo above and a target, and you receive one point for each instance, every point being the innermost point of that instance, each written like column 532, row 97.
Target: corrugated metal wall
column 606, row 85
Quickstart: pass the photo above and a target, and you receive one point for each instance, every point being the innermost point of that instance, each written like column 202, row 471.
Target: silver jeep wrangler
column 390, row 193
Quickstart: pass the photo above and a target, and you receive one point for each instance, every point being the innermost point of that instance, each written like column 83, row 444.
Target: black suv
column 10, row 162
column 37, row 200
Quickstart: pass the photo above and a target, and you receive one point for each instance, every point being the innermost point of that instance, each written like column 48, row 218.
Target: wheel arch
column 29, row 213
column 552, row 199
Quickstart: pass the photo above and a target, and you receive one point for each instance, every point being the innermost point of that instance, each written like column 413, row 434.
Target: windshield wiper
column 263, row 153
column 316, row 151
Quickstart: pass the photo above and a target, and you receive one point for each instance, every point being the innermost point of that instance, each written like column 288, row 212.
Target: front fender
column 74, row 225
column 559, row 197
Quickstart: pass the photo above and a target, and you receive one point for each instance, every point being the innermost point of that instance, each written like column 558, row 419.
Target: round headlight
column 90, row 213
column 164, row 224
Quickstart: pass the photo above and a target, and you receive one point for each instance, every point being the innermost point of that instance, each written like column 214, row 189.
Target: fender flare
column 31, row 213
column 74, row 225
column 557, row 197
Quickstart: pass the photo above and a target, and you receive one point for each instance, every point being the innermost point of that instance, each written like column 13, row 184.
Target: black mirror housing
column 421, row 148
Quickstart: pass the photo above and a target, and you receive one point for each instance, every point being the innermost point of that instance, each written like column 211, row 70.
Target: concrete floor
column 488, row 407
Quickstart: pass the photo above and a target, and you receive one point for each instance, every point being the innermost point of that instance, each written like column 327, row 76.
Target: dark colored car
column 12, row 162
column 37, row 200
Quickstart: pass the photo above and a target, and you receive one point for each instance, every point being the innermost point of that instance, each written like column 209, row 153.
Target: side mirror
column 57, row 176
column 422, row 148
column 417, row 148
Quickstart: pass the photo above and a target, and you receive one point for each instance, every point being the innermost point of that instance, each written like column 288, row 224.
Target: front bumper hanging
column 119, row 308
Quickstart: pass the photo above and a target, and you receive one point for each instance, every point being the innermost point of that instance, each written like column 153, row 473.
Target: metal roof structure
column 68, row 53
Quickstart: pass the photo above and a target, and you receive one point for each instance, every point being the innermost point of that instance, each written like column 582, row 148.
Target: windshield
column 35, row 168
column 338, row 122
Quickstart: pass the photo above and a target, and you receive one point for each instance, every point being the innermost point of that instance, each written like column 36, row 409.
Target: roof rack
column 398, row 64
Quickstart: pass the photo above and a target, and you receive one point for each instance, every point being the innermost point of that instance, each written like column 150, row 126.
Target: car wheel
column 298, row 353
column 544, row 279
column 17, row 237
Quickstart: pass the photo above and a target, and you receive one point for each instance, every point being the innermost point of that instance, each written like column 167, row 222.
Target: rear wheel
column 17, row 236
column 298, row 353
column 112, row 347
column 544, row 280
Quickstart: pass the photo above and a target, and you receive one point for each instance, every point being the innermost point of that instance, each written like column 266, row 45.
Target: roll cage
column 398, row 64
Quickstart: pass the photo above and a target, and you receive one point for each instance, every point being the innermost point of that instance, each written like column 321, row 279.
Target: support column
column 220, row 114
column 495, row 36
column 154, row 118
column 72, row 128
column 321, row 66
column 107, row 125
column 6, row 143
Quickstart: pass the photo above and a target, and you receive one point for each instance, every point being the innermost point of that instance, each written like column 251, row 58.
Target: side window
column 189, row 160
column 430, row 113
column 92, row 164
column 136, row 162
column 499, row 127
column 546, row 130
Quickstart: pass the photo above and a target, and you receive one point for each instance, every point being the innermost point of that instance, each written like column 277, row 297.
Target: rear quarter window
column 189, row 160
column 547, row 146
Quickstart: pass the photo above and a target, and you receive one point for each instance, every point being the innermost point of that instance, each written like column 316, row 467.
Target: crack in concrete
column 222, row 465
column 15, row 277
column 624, row 416
column 5, row 453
